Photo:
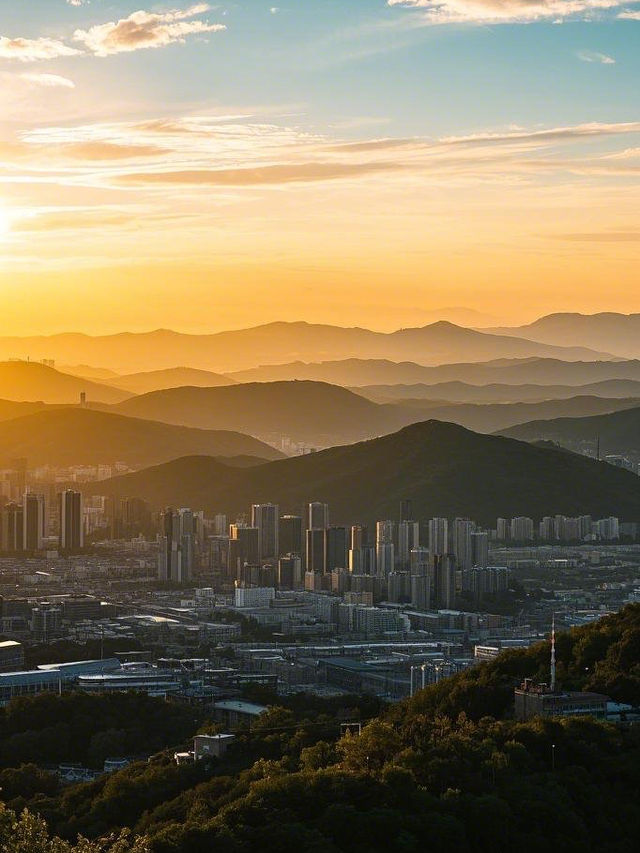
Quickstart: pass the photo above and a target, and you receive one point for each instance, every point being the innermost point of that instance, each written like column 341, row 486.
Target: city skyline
column 269, row 159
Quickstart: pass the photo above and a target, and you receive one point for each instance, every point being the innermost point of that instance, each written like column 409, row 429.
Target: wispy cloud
column 506, row 11
column 49, row 81
column 594, row 56
column 143, row 30
column 265, row 175
column 32, row 50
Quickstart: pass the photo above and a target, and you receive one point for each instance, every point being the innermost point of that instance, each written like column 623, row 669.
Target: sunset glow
column 130, row 158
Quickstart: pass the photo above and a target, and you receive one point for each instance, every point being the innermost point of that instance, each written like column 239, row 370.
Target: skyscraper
column 480, row 548
column 337, row 546
column 33, row 522
column 318, row 516
column 71, row 521
column 290, row 535
column 12, row 527
column 266, row 518
column 244, row 548
column 438, row 537
column 316, row 551
column 176, row 558
column 408, row 539
column 461, row 542
column 445, row 581
column 406, row 510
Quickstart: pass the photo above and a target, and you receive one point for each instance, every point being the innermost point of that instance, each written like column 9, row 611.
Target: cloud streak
column 594, row 56
column 506, row 11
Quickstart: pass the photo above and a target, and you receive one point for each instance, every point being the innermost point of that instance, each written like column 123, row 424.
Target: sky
column 203, row 166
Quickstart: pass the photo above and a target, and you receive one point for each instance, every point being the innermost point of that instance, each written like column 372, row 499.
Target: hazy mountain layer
column 616, row 333
column 174, row 377
column 73, row 436
column 364, row 372
column 28, row 380
column 463, row 392
column 278, row 343
column 618, row 432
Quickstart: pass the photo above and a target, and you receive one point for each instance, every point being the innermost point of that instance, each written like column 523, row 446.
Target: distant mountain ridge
column 175, row 377
column 618, row 432
column 322, row 415
column 357, row 373
column 615, row 332
column 281, row 342
column 64, row 436
column 442, row 468
column 463, row 392
column 31, row 381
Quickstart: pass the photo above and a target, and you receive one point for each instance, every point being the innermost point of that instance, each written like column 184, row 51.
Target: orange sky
column 130, row 198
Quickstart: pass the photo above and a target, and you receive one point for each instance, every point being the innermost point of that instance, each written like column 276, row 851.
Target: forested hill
column 445, row 771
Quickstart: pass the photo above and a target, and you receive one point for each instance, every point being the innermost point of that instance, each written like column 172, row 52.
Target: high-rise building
column 316, row 552
column 71, row 520
column 290, row 534
column 438, row 537
column 244, row 548
column 337, row 547
column 134, row 517
column 33, row 522
column 176, row 558
column 461, row 542
column 521, row 529
column 385, row 549
column 318, row 516
column 408, row 539
column 445, row 581
column 406, row 510
column 266, row 518
column 503, row 529
column 290, row 575
column 479, row 548
column 12, row 527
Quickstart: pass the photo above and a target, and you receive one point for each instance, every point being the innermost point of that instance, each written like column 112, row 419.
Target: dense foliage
column 447, row 770
column 78, row 727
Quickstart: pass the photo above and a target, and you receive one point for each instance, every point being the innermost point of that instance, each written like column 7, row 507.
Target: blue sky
column 343, row 60
column 499, row 163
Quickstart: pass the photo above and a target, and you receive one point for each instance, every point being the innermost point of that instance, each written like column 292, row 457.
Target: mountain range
column 442, row 468
column 63, row 436
column 618, row 432
column 277, row 343
column 355, row 373
column 33, row 381
column 463, row 392
column 174, row 377
column 616, row 333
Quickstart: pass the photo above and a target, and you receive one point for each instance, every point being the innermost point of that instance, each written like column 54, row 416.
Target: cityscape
column 319, row 426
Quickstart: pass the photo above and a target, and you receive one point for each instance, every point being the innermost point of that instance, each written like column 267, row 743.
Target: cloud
column 262, row 175
column 577, row 131
column 50, row 81
column 505, row 11
column 602, row 237
column 594, row 56
column 142, row 30
column 32, row 50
